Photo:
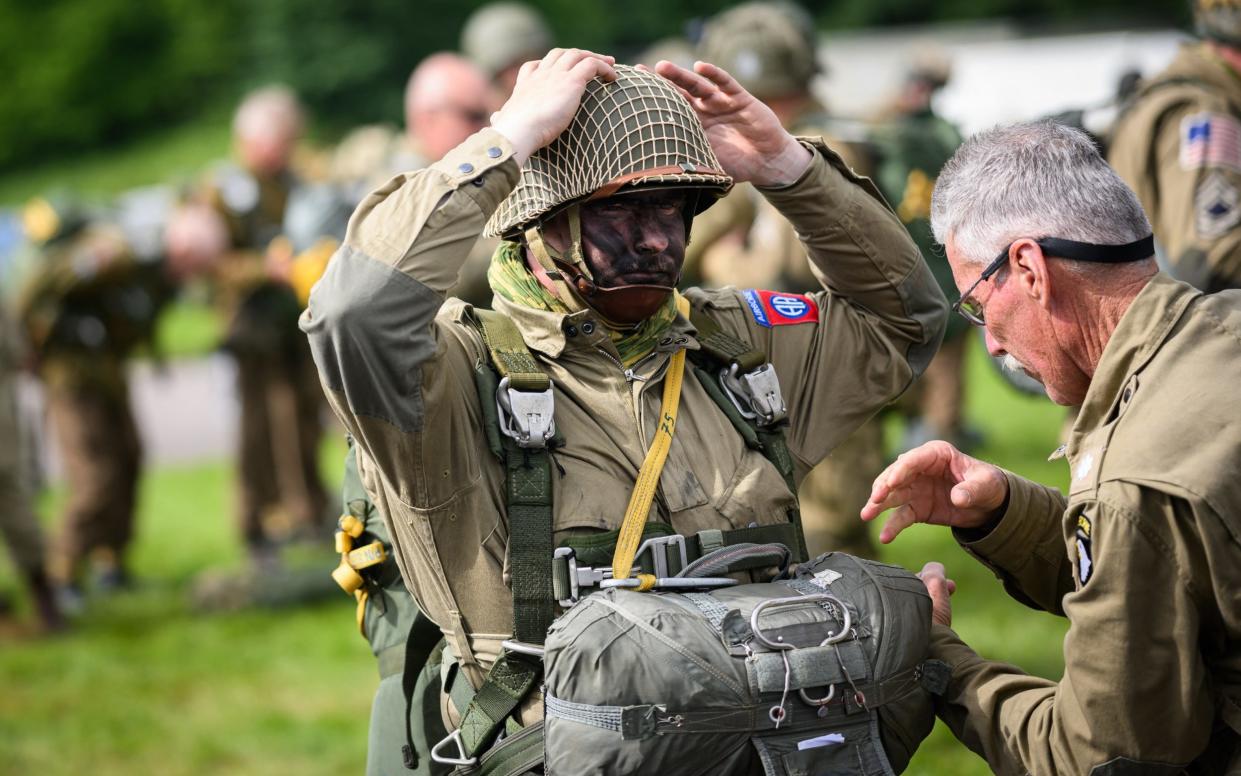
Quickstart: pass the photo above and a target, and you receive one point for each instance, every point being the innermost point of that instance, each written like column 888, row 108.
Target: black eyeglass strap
column 1102, row 254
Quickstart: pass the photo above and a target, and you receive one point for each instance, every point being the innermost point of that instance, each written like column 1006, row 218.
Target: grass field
column 146, row 685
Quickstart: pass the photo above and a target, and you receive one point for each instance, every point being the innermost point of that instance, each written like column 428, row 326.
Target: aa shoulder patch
column 1217, row 206
column 776, row 308
column 1085, row 561
column 1210, row 140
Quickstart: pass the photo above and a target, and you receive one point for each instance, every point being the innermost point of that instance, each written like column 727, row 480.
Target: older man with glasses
column 1144, row 555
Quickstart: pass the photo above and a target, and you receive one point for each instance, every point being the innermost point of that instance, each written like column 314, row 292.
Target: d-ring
column 831, row 693
column 799, row 599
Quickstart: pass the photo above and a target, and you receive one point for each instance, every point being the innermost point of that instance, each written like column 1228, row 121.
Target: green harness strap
column 528, row 496
column 719, row 348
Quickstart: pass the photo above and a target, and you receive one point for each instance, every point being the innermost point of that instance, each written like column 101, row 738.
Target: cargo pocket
column 848, row 748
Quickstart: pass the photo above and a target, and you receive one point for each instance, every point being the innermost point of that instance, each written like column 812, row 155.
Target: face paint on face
column 635, row 239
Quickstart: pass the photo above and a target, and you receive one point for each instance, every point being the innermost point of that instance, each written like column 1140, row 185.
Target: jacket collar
column 1142, row 331
column 552, row 333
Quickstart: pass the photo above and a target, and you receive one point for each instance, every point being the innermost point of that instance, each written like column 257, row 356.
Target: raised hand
column 745, row 134
column 937, row 484
column 547, row 94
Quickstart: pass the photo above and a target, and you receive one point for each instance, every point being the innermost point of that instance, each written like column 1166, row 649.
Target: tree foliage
column 87, row 73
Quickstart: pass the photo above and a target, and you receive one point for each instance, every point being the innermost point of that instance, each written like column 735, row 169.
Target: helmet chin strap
column 623, row 307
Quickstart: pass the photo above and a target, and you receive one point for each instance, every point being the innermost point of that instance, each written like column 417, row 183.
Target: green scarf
column 510, row 279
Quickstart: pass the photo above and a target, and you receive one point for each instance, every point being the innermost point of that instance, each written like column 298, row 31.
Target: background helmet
column 1219, row 20
column 500, row 35
column 769, row 47
column 636, row 132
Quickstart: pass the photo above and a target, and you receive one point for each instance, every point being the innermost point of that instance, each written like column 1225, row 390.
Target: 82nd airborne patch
column 1085, row 562
column 776, row 308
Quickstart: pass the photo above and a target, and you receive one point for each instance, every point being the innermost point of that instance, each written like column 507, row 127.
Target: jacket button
column 588, row 327
column 478, row 181
column 494, row 152
column 570, row 330
column 466, row 168
column 1127, row 395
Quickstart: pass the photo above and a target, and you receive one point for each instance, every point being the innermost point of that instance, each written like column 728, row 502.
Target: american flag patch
column 1210, row 140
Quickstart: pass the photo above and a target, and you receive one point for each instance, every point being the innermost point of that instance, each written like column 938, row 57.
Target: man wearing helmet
column 591, row 172
column 1179, row 146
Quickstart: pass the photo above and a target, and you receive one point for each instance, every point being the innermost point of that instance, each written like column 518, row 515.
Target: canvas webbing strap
column 643, row 495
column 528, row 486
column 724, row 348
column 510, row 679
column 509, row 354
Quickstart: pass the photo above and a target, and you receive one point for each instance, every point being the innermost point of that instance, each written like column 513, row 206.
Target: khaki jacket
column 1191, row 194
column 1143, row 558
column 397, row 364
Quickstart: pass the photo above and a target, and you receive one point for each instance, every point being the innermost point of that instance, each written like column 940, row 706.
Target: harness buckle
column 462, row 758
column 659, row 555
column 579, row 576
column 526, row 416
column 756, row 394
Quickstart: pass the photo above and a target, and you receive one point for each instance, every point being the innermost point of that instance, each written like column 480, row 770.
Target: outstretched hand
column 745, row 134
column 937, row 484
column 546, row 96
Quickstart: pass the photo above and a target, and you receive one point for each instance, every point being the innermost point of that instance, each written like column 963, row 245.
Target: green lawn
column 146, row 685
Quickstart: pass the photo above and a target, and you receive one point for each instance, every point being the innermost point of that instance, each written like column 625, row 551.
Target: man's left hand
column 745, row 133
column 941, row 588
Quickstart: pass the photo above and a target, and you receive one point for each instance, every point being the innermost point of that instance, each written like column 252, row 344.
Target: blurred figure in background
column 280, row 491
column 86, row 303
column 1179, row 146
column 771, row 49
column 912, row 145
column 500, row 37
column 19, row 525
column 447, row 99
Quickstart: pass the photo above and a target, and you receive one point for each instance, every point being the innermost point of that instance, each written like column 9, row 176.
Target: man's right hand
column 546, row 96
column 937, row 484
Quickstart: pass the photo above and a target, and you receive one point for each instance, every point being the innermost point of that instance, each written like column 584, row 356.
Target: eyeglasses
column 971, row 309
column 967, row 306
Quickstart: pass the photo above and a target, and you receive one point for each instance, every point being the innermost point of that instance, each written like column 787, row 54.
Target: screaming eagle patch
column 1085, row 562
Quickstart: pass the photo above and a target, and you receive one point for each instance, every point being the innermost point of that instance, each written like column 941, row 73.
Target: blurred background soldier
column 447, row 99
column 771, row 49
column 19, row 525
column 499, row 37
column 1179, row 147
column 86, row 303
column 280, row 488
column 913, row 144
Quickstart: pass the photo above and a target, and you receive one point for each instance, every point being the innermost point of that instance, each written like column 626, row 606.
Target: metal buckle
column 526, row 416
column 462, row 759
column 579, row 576
column 523, row 648
column 756, row 394
column 591, row 576
column 659, row 555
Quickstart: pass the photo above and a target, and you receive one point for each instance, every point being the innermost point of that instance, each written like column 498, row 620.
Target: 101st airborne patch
column 1085, row 563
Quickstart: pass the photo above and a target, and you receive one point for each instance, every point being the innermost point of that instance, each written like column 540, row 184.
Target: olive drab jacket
column 1179, row 146
column 1143, row 558
column 397, row 362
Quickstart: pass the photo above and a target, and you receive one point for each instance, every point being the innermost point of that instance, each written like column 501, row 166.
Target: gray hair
column 1038, row 179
